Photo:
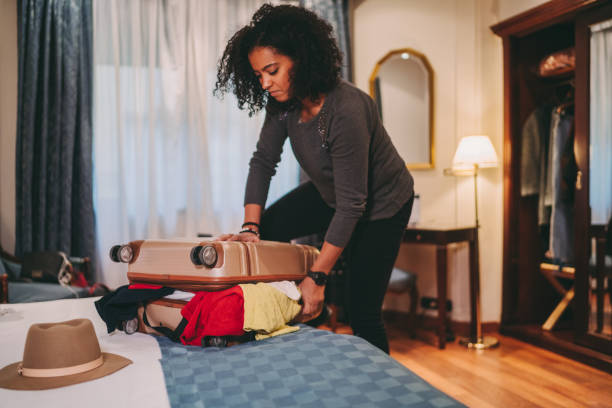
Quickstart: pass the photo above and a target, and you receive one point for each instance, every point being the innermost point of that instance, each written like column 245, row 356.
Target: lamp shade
column 474, row 150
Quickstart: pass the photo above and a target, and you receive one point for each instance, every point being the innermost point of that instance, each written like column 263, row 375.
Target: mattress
column 308, row 368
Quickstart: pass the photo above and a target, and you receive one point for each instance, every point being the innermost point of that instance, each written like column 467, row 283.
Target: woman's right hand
column 243, row 237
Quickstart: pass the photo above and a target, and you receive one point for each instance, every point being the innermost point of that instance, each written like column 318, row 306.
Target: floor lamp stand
column 476, row 340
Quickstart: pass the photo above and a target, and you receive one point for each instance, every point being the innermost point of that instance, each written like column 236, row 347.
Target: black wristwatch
column 319, row 278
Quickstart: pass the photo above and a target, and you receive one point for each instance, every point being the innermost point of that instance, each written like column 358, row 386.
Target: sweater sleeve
column 349, row 144
column 262, row 165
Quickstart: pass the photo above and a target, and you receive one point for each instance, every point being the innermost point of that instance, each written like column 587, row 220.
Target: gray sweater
column 360, row 173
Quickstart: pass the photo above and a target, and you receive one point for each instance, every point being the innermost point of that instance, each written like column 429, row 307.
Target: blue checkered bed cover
column 308, row 368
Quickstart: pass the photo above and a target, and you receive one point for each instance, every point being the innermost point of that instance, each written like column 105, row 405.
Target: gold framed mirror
column 402, row 84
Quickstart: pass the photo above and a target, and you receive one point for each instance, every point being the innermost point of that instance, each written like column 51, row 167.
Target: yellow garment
column 267, row 310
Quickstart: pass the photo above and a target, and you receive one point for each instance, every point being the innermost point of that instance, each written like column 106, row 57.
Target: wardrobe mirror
column 600, row 174
column 402, row 85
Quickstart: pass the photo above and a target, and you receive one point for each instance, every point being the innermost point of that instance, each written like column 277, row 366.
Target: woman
column 287, row 61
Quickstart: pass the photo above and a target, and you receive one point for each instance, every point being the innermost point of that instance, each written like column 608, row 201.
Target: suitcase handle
column 173, row 335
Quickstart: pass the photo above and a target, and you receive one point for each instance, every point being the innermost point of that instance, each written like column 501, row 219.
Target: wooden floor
column 516, row 374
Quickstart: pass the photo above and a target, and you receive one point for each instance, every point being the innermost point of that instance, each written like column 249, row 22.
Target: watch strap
column 319, row 278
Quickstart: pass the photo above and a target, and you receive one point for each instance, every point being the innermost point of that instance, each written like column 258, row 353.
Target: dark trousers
column 370, row 254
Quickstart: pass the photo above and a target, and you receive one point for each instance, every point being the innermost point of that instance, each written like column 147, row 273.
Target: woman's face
column 273, row 71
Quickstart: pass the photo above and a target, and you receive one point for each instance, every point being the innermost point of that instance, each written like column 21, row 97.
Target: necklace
column 322, row 128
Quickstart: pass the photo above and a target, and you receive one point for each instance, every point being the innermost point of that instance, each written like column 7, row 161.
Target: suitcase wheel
column 214, row 341
column 113, row 253
column 130, row 326
column 204, row 255
column 121, row 253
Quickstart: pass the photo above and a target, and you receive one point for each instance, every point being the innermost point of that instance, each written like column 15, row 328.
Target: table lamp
column 473, row 154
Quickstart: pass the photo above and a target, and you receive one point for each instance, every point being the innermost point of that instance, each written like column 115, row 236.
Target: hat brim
column 9, row 378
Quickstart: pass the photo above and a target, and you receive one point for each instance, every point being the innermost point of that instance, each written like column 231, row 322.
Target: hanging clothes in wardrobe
column 563, row 175
column 548, row 169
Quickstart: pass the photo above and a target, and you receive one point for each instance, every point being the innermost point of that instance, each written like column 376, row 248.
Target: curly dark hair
column 294, row 32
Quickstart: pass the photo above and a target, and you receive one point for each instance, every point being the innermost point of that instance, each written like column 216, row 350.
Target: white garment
column 289, row 288
column 180, row 295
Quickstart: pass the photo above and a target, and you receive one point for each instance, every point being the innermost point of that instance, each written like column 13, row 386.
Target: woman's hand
column 243, row 237
column 312, row 297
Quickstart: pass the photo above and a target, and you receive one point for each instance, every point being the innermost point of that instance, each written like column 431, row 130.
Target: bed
column 308, row 368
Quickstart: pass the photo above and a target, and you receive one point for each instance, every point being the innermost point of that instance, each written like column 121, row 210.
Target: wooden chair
column 404, row 282
column 3, row 288
column 553, row 273
column 4, row 278
column 602, row 274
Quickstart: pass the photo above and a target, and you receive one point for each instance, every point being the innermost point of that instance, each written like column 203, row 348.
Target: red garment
column 144, row 286
column 79, row 280
column 213, row 314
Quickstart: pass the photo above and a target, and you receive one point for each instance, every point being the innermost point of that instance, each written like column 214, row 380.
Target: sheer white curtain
column 601, row 123
column 170, row 160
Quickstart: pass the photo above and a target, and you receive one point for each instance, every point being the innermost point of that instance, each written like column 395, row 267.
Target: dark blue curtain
column 54, row 129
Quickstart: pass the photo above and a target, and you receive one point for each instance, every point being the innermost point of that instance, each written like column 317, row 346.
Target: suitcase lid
column 169, row 262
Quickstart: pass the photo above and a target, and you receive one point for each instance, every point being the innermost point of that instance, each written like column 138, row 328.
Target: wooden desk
column 441, row 236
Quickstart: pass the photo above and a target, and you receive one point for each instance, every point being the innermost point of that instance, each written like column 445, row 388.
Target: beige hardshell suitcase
column 194, row 265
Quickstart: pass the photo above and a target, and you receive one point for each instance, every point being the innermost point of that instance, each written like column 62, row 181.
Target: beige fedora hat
column 60, row 354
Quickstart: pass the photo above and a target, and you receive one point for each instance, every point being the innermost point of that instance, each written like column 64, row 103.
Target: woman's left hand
column 313, row 297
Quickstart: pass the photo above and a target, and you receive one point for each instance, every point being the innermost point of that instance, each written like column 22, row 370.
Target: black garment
column 370, row 254
column 122, row 304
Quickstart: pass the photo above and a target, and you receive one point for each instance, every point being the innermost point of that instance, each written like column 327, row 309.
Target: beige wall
column 8, row 120
column 466, row 59
column 509, row 8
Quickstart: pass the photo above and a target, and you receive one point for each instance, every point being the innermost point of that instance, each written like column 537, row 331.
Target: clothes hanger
column 567, row 101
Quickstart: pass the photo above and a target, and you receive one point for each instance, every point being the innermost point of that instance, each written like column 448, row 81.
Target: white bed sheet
column 140, row 384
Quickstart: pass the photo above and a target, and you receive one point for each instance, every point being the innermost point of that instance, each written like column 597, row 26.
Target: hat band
column 58, row 372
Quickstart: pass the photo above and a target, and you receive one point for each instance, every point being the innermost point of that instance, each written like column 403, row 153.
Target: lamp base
column 482, row 343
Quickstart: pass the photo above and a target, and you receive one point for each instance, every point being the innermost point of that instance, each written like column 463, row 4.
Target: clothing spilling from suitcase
column 212, row 293
column 242, row 313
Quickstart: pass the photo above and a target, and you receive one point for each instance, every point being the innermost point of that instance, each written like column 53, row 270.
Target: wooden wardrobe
column 528, row 298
